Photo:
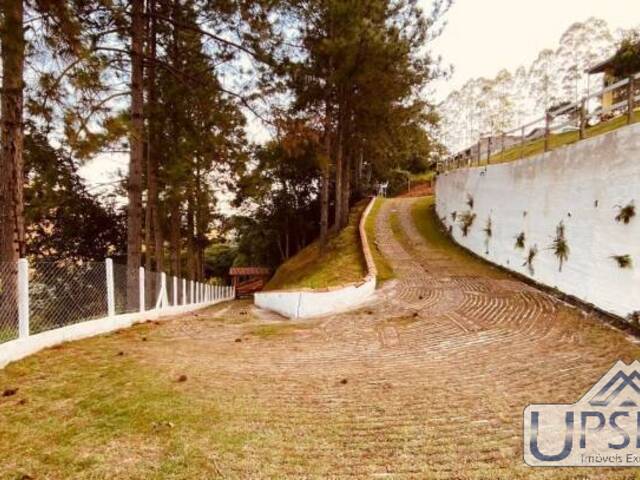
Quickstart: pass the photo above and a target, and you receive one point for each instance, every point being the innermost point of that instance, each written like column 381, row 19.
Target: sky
column 481, row 37
column 484, row 36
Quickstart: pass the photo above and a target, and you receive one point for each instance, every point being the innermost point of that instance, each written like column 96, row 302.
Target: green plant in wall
column 560, row 246
column 488, row 231
column 623, row 261
column 470, row 201
column 533, row 251
column 626, row 213
column 520, row 239
column 466, row 220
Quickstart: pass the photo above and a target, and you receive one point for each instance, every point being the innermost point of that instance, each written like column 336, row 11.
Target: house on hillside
column 613, row 75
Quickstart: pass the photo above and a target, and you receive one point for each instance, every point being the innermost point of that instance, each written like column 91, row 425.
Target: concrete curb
column 308, row 302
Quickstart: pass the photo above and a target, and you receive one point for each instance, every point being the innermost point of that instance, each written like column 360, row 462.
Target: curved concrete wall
column 583, row 186
column 307, row 303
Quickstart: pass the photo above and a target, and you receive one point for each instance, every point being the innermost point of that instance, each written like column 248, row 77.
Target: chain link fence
column 124, row 304
column 67, row 293
column 62, row 294
column 8, row 301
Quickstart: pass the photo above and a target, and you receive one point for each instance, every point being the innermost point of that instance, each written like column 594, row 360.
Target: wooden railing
column 573, row 117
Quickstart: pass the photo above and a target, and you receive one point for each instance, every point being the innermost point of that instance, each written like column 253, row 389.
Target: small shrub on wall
column 626, row 213
column 533, row 251
column 466, row 220
column 560, row 246
column 623, row 261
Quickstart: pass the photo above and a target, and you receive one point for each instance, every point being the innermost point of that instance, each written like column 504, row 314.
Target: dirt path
column 429, row 381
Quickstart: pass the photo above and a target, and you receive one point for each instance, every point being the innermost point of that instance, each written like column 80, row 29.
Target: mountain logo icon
column 622, row 388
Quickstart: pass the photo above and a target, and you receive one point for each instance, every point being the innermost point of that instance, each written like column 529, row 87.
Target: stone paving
column 428, row 381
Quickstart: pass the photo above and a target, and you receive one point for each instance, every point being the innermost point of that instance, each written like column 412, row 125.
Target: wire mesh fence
column 125, row 302
column 64, row 293
column 8, row 301
column 48, row 295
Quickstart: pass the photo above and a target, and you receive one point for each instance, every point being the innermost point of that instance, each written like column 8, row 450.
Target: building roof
column 237, row 271
column 601, row 67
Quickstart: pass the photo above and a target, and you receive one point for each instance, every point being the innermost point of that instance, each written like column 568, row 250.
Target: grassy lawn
column 92, row 409
column 536, row 147
column 385, row 272
column 339, row 261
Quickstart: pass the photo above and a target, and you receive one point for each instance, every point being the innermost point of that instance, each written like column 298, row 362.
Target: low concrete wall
column 23, row 347
column 307, row 303
column 583, row 186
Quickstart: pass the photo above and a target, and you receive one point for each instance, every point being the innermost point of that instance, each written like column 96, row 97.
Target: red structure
column 248, row 280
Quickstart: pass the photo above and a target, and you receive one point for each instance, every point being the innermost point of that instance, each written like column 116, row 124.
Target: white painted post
column 141, row 285
column 175, row 292
column 184, row 291
column 191, row 292
column 111, row 299
column 23, row 298
column 163, row 285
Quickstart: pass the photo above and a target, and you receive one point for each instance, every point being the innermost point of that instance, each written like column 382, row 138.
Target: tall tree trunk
column 357, row 180
column 176, row 221
column 346, row 190
column 12, row 237
column 325, row 180
column 347, row 150
column 152, row 178
column 191, row 267
column 339, row 175
column 136, row 140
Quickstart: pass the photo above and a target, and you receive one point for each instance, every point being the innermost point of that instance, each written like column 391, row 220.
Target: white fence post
column 191, row 292
column 162, row 298
column 23, row 298
column 141, row 287
column 111, row 298
column 184, row 291
column 176, row 297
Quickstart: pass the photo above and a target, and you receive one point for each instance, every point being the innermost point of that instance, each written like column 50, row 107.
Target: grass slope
column 340, row 261
column 536, row 147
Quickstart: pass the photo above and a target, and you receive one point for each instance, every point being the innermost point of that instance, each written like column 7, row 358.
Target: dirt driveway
column 429, row 381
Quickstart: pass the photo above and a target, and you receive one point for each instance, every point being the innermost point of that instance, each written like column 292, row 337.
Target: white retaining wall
column 307, row 303
column 582, row 185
